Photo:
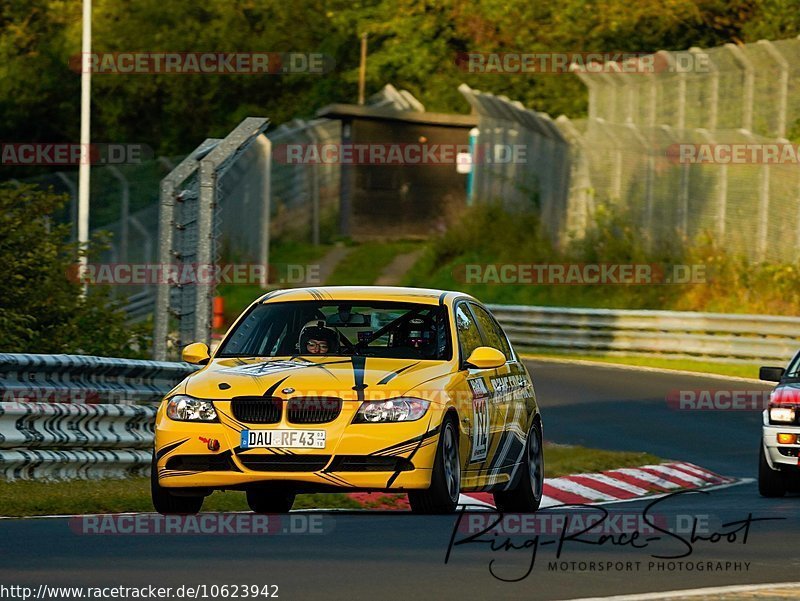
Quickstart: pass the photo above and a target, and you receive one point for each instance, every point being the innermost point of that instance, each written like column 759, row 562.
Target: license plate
column 283, row 439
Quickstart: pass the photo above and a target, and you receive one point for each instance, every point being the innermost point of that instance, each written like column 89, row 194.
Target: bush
column 42, row 309
column 489, row 235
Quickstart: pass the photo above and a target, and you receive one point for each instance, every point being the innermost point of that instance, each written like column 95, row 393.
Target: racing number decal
column 480, row 419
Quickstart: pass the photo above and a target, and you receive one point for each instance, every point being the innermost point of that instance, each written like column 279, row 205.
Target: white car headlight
column 185, row 408
column 781, row 414
column 401, row 409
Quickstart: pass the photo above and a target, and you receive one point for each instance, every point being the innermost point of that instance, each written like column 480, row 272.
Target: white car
column 780, row 443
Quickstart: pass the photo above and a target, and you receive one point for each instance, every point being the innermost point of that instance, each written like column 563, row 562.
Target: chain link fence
column 640, row 150
column 645, row 128
column 219, row 195
column 520, row 158
column 123, row 205
column 305, row 197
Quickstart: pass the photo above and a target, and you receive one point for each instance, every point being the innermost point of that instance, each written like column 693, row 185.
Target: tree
column 42, row 309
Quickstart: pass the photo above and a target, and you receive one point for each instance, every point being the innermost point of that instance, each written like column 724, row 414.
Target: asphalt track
column 385, row 556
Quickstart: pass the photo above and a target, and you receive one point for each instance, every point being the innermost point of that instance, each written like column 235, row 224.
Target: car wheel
column 167, row 503
column 771, row 483
column 526, row 496
column 270, row 500
column 442, row 496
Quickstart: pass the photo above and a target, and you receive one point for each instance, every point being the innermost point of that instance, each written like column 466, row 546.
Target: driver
column 418, row 333
column 317, row 339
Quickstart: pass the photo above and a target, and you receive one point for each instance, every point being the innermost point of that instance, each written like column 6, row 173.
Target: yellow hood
column 350, row 378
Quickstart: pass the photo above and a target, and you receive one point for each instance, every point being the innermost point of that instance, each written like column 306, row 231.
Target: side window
column 469, row 337
column 494, row 333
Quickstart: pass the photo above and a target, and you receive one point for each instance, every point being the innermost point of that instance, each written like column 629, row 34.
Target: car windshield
column 793, row 371
column 337, row 328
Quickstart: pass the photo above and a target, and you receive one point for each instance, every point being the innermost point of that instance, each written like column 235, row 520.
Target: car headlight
column 185, row 408
column 402, row 409
column 781, row 414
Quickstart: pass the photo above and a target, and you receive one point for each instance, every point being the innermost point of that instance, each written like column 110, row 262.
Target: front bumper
column 779, row 455
column 391, row 457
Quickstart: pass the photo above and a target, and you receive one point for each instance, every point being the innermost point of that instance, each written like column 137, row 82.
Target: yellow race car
column 347, row 389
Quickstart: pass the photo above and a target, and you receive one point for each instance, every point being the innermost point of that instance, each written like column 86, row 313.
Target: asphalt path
column 400, row 556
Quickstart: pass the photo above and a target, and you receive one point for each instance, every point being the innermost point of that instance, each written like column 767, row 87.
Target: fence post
column 250, row 128
column 749, row 79
column 713, row 89
column 783, row 95
column 721, row 188
column 616, row 180
column 652, row 116
column 205, row 251
column 591, row 85
column 649, row 179
column 166, row 227
column 314, row 189
column 763, row 203
column 579, row 184
column 266, row 205
column 124, row 215
column 683, row 190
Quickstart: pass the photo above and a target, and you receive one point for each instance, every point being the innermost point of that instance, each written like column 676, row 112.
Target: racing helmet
column 318, row 331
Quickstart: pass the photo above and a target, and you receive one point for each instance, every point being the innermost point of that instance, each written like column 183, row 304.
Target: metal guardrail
column 68, row 416
column 72, row 416
column 140, row 306
column 679, row 334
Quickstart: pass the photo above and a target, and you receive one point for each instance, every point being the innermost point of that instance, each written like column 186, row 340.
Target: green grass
column 117, row 496
column 562, row 460
column 703, row 367
column 366, row 262
column 24, row 498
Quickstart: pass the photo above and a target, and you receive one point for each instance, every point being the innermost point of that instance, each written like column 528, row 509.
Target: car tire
column 526, row 496
column 445, row 488
column 167, row 503
column 771, row 483
column 270, row 500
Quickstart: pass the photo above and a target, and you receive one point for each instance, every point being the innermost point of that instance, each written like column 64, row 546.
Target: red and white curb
column 622, row 484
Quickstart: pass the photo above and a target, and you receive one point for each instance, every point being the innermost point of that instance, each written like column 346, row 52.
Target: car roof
column 426, row 296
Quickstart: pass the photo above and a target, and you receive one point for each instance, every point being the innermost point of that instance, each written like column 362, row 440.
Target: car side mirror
column 771, row 374
column 486, row 357
column 196, row 353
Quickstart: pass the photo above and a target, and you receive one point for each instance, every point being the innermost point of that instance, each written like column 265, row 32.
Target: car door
column 509, row 389
column 476, row 415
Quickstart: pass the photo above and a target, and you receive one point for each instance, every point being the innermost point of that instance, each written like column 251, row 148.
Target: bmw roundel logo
column 287, row 390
